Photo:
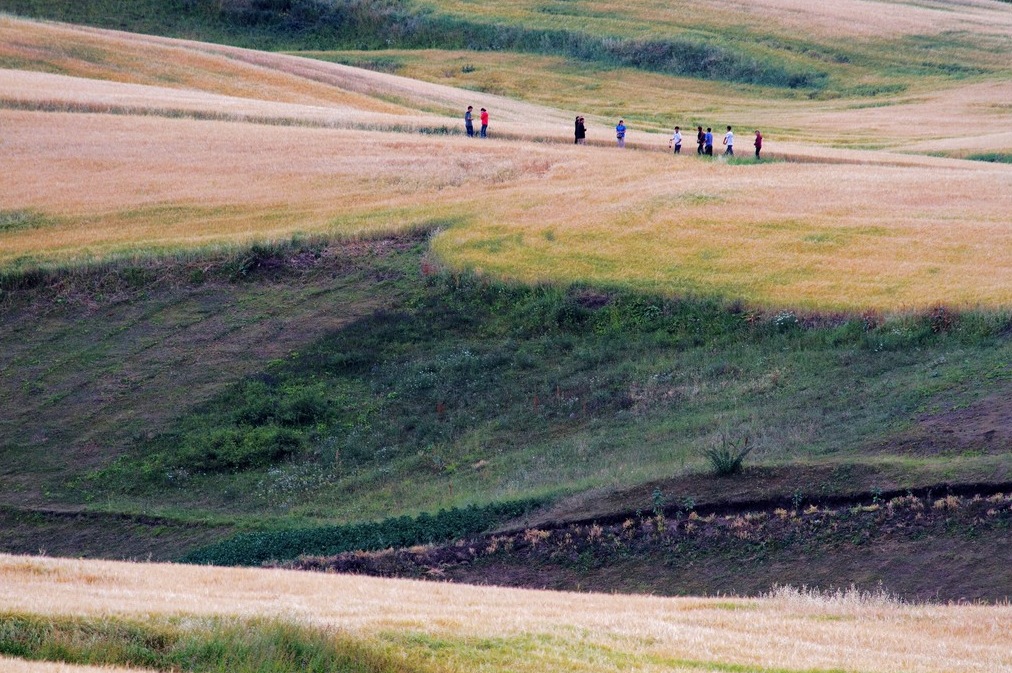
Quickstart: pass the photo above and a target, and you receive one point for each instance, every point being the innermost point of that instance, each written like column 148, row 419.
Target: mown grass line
column 198, row 645
column 206, row 115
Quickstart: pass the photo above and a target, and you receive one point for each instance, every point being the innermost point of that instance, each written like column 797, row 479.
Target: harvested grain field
column 534, row 630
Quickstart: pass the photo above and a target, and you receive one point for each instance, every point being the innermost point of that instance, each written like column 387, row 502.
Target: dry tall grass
column 492, row 629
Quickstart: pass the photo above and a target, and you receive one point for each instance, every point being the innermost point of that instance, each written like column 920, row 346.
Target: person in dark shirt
column 469, row 121
column 580, row 131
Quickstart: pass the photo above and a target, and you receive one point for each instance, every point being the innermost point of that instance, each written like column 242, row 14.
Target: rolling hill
column 261, row 300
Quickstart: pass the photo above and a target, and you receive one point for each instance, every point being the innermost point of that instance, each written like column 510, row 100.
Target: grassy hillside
column 429, row 389
column 244, row 290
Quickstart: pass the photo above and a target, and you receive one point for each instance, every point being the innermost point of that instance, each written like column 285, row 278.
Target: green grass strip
column 251, row 549
column 993, row 157
column 211, row 645
column 231, row 645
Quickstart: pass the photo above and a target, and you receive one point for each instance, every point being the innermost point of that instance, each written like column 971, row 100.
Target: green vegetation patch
column 248, row 549
column 219, row 645
column 197, row 645
column 20, row 220
column 993, row 157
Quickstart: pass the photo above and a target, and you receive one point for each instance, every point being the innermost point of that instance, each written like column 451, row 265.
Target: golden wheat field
column 115, row 154
column 789, row 630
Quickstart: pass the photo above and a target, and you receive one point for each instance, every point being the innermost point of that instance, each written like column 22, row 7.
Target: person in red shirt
column 484, row 123
column 758, row 143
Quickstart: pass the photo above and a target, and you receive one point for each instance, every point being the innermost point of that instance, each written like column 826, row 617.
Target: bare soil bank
column 926, row 548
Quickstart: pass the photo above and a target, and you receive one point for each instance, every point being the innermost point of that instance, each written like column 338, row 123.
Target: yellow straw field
column 466, row 628
column 243, row 146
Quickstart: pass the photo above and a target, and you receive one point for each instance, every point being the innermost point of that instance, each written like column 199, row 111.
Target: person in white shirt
column 676, row 141
column 729, row 141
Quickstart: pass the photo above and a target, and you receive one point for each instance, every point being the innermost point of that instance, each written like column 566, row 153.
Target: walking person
column 580, row 132
column 708, row 142
column 729, row 142
column 758, row 143
column 484, row 123
column 620, row 133
column 676, row 141
column 700, row 140
column 469, row 121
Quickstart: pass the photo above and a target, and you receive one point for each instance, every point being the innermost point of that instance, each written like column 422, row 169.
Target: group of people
column 469, row 122
column 704, row 139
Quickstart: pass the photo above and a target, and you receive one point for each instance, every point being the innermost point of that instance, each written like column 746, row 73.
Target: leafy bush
column 250, row 549
column 237, row 449
column 260, row 402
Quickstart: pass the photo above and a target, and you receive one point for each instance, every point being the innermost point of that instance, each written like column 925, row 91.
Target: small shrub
column 726, row 460
column 237, row 449
column 786, row 321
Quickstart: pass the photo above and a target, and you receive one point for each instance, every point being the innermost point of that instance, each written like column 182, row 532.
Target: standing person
column 758, row 143
column 708, row 142
column 469, row 121
column 620, row 133
column 729, row 142
column 700, row 139
column 484, row 123
column 676, row 141
column 581, row 131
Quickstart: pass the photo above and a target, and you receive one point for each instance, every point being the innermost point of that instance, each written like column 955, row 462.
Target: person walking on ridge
column 758, row 143
column 708, row 142
column 700, row 140
column 620, row 133
column 676, row 141
column 729, row 141
column 484, row 123
column 469, row 121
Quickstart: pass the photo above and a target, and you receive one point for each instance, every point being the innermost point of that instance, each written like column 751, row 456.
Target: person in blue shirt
column 708, row 142
column 620, row 133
